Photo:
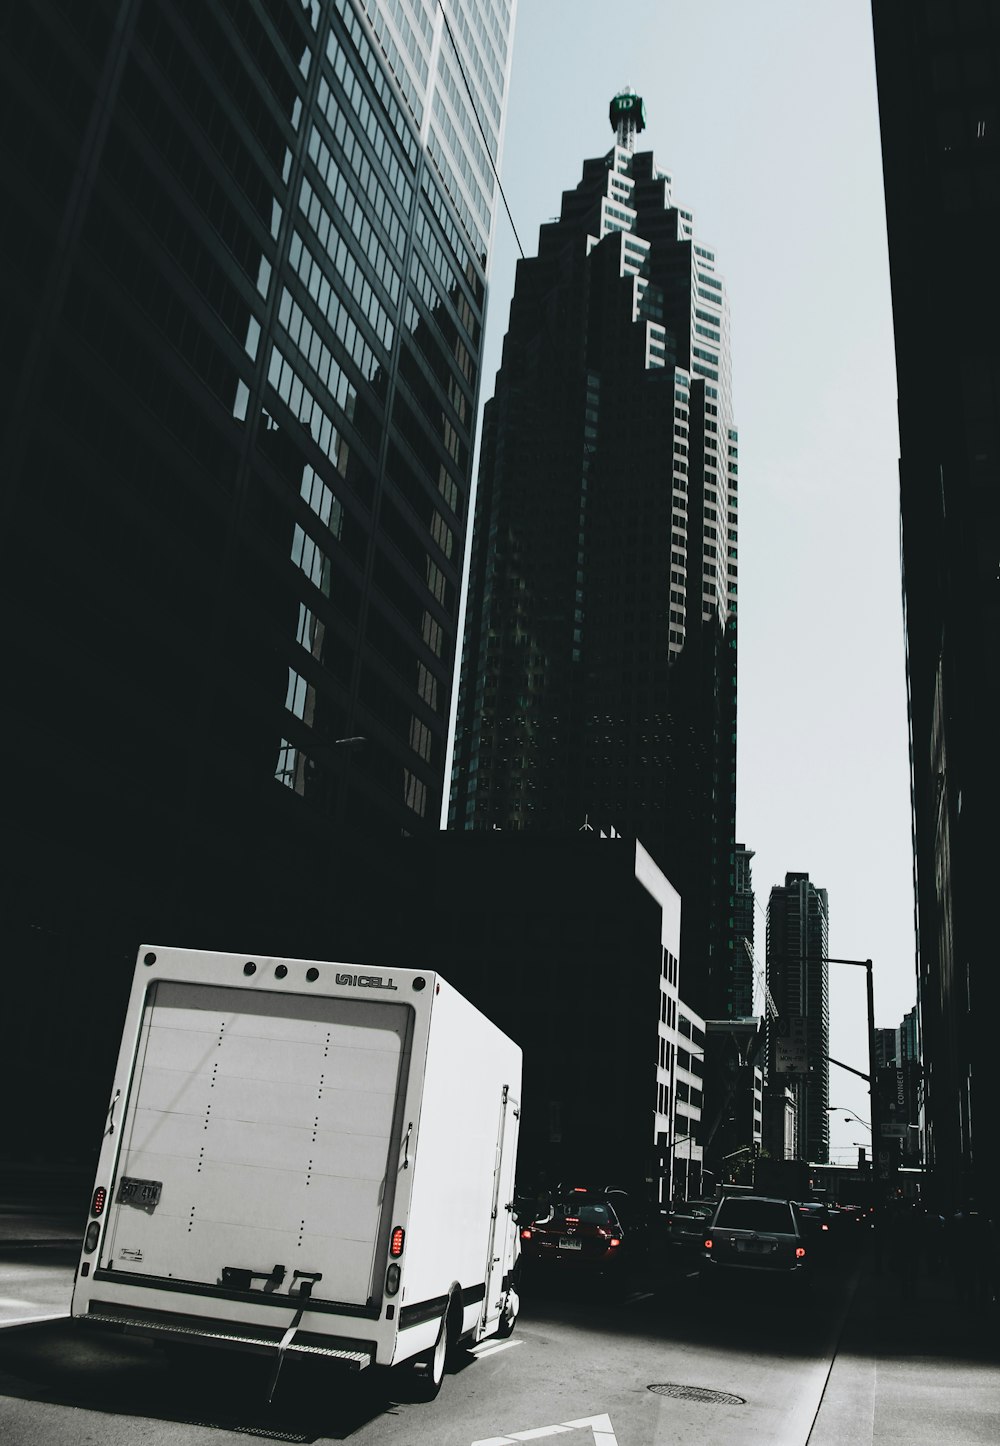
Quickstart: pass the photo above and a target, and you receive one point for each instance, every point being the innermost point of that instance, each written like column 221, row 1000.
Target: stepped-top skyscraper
column 598, row 682
column 245, row 247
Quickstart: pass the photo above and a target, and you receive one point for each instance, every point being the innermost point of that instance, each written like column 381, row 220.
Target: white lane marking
column 639, row 1295
column 489, row 1348
column 600, row 1427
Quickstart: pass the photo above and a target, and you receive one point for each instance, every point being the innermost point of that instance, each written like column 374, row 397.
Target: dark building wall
column 596, row 681
column 554, row 939
column 938, row 70
column 242, row 332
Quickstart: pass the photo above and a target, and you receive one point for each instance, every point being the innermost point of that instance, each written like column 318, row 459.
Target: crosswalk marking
column 490, row 1348
column 600, row 1427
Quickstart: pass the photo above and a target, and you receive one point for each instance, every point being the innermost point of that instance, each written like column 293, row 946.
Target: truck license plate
column 566, row 1244
column 143, row 1193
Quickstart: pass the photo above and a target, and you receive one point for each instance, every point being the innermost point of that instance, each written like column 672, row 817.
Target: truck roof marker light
column 396, row 1242
column 419, row 983
column 249, row 967
column 99, row 1201
column 312, row 975
column 148, row 959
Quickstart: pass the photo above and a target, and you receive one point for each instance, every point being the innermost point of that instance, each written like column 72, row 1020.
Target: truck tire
column 428, row 1372
column 508, row 1316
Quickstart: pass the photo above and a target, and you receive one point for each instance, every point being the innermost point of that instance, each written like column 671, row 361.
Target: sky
column 765, row 114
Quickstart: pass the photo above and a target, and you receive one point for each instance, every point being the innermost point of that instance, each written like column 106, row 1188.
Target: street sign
column 791, row 1047
column 895, row 1132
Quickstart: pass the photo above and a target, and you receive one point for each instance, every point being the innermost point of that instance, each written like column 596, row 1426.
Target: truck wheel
column 429, row 1373
column 508, row 1316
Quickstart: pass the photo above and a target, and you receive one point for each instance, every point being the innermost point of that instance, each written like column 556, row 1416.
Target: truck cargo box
column 303, row 1156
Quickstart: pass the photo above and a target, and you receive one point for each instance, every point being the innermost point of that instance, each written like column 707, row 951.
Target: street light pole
column 876, row 1118
column 865, row 964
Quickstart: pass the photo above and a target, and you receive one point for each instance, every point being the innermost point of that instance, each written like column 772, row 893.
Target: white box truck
column 303, row 1157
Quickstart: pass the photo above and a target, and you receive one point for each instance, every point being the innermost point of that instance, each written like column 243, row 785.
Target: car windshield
column 587, row 1214
column 768, row 1215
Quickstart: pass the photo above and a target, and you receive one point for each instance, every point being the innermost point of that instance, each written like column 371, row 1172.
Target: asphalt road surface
column 627, row 1369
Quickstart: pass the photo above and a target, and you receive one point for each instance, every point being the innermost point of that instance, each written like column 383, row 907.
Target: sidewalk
column 915, row 1366
column 43, row 1215
column 42, row 1208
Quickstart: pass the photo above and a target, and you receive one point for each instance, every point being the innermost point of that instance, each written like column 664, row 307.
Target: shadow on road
column 756, row 1313
column 69, row 1365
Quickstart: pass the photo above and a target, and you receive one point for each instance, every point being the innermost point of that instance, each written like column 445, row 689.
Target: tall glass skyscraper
column 798, row 926
column 244, row 273
column 598, row 680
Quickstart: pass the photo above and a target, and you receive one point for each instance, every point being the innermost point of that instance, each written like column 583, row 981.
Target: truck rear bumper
column 166, row 1326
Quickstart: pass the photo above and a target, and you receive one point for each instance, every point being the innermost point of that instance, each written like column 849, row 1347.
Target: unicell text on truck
column 304, row 1157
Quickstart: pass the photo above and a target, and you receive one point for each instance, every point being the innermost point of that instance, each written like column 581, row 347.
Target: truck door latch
column 237, row 1279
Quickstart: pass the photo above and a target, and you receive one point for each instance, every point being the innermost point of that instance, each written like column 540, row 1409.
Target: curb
column 69, row 1245
column 33, row 1320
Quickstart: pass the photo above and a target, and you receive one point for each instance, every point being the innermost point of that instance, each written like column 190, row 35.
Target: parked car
column 754, row 1235
column 818, row 1224
column 683, row 1229
column 587, row 1233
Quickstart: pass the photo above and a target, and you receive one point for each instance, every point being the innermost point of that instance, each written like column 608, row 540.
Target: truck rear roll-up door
column 269, row 1121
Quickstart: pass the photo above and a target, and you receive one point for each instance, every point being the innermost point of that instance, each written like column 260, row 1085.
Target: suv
column 753, row 1235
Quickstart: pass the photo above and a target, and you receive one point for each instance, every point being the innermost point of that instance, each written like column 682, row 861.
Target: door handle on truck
column 111, row 1114
column 406, row 1147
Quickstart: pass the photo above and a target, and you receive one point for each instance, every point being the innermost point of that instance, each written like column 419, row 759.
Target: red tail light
column 824, row 1227
column 799, row 1252
column 526, row 1233
column 614, row 1240
column 396, row 1243
column 708, row 1244
column 99, row 1201
column 572, row 1219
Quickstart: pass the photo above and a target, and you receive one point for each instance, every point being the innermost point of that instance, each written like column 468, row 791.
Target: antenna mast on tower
column 627, row 117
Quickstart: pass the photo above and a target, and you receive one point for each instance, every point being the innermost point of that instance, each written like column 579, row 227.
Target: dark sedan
column 582, row 1235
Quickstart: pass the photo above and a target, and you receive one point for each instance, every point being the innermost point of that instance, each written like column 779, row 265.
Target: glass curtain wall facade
column 244, row 278
column 798, row 927
column 598, row 679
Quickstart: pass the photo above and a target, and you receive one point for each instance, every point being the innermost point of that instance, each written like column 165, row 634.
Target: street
column 633, row 1368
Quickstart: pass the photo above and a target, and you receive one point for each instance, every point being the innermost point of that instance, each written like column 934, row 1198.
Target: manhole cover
column 698, row 1393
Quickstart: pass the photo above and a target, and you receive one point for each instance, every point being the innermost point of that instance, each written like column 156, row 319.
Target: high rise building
column 744, row 902
column 937, row 70
column 244, row 271
column 598, row 680
column 798, row 919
